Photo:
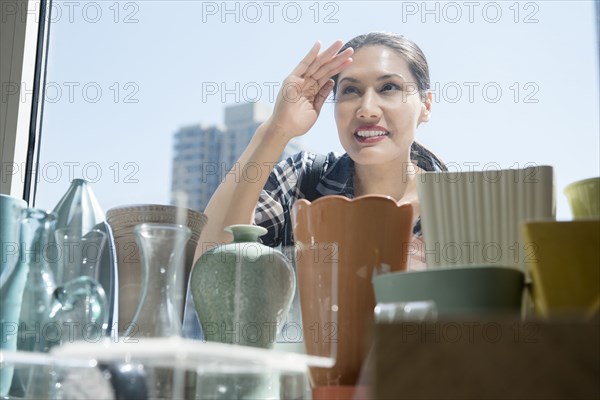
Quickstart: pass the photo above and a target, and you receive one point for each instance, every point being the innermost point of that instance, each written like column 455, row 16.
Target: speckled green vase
column 243, row 290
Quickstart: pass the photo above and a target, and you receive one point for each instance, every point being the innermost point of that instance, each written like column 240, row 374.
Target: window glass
column 514, row 83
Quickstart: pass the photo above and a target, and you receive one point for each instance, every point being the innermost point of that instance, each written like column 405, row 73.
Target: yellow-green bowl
column 584, row 198
column 564, row 259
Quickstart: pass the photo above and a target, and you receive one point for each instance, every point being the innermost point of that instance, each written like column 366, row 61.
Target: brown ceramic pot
column 348, row 240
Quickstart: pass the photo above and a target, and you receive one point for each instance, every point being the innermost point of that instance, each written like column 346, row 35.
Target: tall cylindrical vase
column 27, row 291
column 36, row 229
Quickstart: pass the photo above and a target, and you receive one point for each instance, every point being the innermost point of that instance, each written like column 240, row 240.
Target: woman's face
column 378, row 106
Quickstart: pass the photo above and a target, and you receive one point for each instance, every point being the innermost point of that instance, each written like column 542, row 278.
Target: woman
column 380, row 83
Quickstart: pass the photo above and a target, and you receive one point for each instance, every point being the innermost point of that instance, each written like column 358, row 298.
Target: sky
column 514, row 83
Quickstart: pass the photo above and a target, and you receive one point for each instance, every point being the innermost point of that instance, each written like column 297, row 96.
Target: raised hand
column 304, row 91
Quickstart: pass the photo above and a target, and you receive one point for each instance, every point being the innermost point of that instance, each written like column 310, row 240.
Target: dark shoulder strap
column 311, row 179
column 425, row 158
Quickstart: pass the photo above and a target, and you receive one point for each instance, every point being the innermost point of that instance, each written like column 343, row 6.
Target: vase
column 36, row 229
column 79, row 300
column 565, row 267
column 162, row 249
column 158, row 313
column 474, row 218
column 10, row 217
column 123, row 220
column 341, row 243
column 584, row 198
column 79, row 209
column 27, row 293
column 11, row 281
column 23, row 312
column 242, row 290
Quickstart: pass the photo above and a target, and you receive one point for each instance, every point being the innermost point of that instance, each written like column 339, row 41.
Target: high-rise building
column 241, row 122
column 203, row 155
column 196, row 164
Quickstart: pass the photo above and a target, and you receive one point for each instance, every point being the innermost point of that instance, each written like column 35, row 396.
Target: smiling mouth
column 370, row 136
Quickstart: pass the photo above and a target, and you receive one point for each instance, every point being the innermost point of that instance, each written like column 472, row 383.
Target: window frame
column 24, row 45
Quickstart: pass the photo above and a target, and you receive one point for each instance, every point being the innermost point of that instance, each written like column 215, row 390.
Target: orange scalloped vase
column 340, row 244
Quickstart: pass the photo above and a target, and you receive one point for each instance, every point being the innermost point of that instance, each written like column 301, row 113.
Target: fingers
column 307, row 60
column 323, row 58
column 322, row 95
column 315, row 70
column 336, row 65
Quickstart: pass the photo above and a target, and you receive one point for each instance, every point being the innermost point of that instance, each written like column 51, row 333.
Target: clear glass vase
column 79, row 209
column 80, row 300
column 34, row 328
column 161, row 250
column 12, row 282
column 36, row 228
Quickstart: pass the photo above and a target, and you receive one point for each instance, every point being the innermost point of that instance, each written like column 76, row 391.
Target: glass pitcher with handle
column 80, row 305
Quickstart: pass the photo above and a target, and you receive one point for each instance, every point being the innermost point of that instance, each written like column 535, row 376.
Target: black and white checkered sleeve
column 280, row 191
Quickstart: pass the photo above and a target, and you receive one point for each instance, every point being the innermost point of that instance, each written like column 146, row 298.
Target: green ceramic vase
column 243, row 290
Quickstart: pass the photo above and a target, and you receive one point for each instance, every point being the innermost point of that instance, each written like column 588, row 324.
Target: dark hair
column 407, row 49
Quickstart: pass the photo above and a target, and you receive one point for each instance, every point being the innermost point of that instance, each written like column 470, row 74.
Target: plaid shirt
column 283, row 189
